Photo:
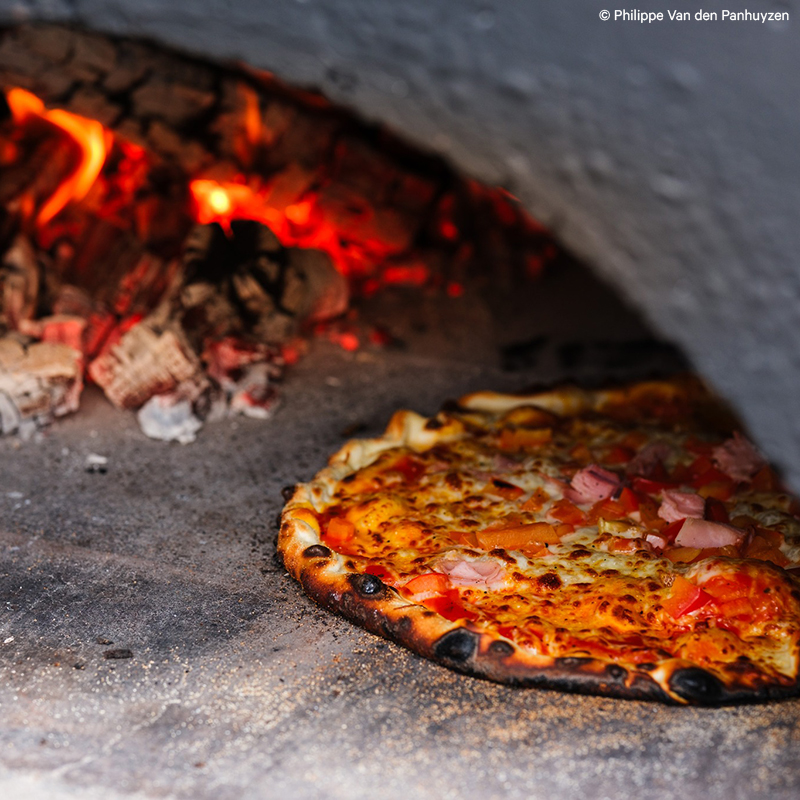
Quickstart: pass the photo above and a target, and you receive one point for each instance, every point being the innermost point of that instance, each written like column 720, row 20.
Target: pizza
column 628, row 542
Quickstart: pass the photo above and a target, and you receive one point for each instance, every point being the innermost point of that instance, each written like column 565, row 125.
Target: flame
column 252, row 117
column 298, row 225
column 88, row 134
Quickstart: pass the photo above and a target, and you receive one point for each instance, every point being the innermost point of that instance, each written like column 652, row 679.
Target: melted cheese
column 599, row 591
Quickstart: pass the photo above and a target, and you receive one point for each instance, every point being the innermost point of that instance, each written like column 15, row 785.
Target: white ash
column 170, row 420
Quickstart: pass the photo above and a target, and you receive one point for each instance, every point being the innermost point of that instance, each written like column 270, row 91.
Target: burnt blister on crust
column 616, row 672
column 500, row 649
column 574, row 662
column 317, row 551
column 697, row 685
column 368, row 586
column 456, row 647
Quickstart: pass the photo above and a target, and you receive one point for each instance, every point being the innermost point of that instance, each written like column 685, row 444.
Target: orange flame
column 88, row 134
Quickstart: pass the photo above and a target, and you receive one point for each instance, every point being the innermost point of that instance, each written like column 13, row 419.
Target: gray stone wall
column 665, row 154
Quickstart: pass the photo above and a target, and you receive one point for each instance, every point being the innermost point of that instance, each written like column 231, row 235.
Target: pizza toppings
column 679, row 504
column 655, row 547
column 684, row 598
column 737, row 458
column 649, row 461
column 481, row 573
column 701, row 533
column 591, row 484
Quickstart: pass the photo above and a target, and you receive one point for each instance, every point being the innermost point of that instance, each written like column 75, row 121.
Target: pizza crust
column 464, row 646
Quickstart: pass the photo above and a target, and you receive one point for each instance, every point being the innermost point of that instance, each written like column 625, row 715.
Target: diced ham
column 646, row 461
column 738, row 458
column 656, row 541
column 681, row 505
column 592, row 484
column 702, row 533
column 481, row 574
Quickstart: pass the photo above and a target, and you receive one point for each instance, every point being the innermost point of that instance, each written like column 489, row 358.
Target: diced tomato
column 564, row 511
column 628, row 500
column 535, row 550
column 429, row 583
column 606, row 509
column 672, row 530
column 765, row 480
column 712, row 475
column 730, row 586
column 765, row 545
column 716, row 511
column 339, row 531
column 684, row 597
column 774, row 538
column 649, row 486
column 516, row 537
column 506, row 490
column 449, row 606
column 564, row 528
column 700, row 465
column 683, row 555
column 648, row 511
column 464, row 537
column 537, row 499
column 622, row 544
column 410, row 468
column 618, row 455
column 740, row 607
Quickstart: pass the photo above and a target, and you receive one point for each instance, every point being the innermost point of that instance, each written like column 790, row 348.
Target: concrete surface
column 237, row 685
column 665, row 153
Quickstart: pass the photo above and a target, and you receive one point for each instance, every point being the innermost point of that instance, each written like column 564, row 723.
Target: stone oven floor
column 240, row 687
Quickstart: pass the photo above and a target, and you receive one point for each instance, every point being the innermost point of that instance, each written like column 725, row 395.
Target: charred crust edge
column 456, row 647
column 317, row 551
column 370, row 587
column 697, row 685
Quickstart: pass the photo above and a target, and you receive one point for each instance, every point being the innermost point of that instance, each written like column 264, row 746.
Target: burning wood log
column 110, row 160
column 239, row 297
column 145, row 362
column 246, row 284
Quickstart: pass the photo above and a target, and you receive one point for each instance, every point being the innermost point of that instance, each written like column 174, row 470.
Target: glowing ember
column 88, row 134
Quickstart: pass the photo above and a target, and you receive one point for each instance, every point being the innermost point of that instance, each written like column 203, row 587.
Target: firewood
column 146, row 362
column 38, row 382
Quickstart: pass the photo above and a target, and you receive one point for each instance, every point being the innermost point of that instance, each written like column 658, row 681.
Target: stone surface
column 665, row 154
column 237, row 686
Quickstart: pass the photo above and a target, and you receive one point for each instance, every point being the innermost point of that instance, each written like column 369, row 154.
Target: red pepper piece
column 684, row 598
column 715, row 511
column 652, row 487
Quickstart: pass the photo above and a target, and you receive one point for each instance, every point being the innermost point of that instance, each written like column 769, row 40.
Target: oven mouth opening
column 176, row 232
